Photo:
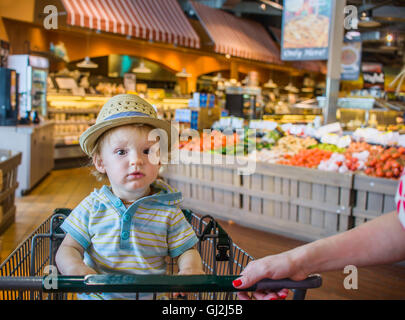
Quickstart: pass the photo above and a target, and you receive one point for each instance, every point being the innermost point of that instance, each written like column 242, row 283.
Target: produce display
column 387, row 164
column 328, row 147
column 282, row 148
column 208, row 142
column 309, row 158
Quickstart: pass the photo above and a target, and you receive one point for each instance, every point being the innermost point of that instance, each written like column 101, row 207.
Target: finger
column 283, row 293
column 243, row 295
column 253, row 273
column 265, row 295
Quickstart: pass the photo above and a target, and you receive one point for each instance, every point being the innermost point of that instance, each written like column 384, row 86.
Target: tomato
column 379, row 172
column 396, row 172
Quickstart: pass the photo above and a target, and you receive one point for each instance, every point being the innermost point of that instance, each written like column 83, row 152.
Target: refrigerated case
column 242, row 102
column 8, row 97
column 33, row 74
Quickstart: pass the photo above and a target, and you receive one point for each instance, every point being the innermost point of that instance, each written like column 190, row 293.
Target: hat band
column 127, row 114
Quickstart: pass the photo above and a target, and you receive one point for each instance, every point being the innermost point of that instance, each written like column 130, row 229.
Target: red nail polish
column 237, row 282
column 273, row 298
column 282, row 296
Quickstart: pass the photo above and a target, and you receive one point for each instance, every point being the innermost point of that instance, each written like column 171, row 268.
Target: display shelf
column 306, row 204
column 71, row 116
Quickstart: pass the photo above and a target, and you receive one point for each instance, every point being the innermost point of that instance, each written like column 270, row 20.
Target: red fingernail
column 282, row 296
column 273, row 298
column 237, row 282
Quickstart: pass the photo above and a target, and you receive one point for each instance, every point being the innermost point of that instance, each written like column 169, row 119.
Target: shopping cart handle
column 149, row 283
column 313, row 281
column 175, row 283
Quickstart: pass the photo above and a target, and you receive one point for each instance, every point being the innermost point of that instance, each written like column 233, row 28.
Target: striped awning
column 237, row 36
column 156, row 20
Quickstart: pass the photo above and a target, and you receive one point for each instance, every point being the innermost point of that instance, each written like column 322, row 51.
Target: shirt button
column 118, row 203
column 127, row 218
column 125, row 235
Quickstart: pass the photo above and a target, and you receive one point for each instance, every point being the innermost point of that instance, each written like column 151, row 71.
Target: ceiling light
column 273, row 4
column 291, row 88
column 87, row 63
column 218, row 77
column 141, row 68
column 270, row 84
column 183, row 74
column 389, row 43
column 367, row 21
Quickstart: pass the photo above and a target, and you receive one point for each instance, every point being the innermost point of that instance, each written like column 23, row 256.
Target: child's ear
column 98, row 163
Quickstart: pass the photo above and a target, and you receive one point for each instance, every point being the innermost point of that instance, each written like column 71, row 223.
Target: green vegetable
column 328, row 147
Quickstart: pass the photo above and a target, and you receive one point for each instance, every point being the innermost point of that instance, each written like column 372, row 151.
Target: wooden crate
column 372, row 197
column 8, row 169
column 302, row 203
column 206, row 179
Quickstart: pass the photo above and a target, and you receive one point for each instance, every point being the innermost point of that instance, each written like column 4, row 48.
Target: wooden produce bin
column 207, row 183
column 302, row 203
column 372, row 197
column 9, row 162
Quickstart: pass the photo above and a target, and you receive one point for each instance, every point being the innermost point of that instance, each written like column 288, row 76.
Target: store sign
column 305, row 29
column 373, row 75
column 351, row 57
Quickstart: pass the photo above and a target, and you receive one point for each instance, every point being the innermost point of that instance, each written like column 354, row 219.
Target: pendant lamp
column 87, row 63
column 141, row 68
column 183, row 74
column 270, row 84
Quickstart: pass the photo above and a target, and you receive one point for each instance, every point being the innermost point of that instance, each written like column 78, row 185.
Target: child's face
column 124, row 157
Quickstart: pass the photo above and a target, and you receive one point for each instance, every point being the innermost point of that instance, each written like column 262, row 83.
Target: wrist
column 301, row 262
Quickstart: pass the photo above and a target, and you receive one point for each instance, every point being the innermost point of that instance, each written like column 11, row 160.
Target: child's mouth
column 136, row 175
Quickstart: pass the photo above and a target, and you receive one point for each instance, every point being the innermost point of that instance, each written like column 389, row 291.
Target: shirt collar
column 166, row 194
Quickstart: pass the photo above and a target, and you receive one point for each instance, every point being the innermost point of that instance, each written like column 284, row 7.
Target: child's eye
column 146, row 151
column 120, row 152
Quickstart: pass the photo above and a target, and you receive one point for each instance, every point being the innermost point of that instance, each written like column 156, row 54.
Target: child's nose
column 135, row 160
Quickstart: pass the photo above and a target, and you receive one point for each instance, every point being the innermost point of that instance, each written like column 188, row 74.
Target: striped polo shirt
column 133, row 240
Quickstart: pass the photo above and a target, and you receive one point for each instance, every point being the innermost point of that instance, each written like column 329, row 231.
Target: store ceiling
column 389, row 13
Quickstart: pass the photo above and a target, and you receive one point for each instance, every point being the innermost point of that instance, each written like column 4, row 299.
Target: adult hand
column 274, row 267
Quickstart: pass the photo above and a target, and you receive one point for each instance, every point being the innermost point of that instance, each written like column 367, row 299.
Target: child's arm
column 69, row 258
column 190, row 262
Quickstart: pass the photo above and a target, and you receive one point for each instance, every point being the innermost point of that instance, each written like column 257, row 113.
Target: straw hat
column 122, row 109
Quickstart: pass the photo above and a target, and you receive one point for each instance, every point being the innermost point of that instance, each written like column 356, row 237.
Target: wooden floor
column 66, row 188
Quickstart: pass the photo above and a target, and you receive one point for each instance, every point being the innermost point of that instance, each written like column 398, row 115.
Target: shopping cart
column 26, row 275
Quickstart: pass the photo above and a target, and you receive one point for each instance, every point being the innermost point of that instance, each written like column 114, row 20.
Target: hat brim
column 89, row 137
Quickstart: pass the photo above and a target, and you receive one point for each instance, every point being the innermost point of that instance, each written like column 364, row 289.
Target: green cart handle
column 148, row 283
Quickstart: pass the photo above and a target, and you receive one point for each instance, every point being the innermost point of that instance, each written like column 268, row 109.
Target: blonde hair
column 97, row 147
